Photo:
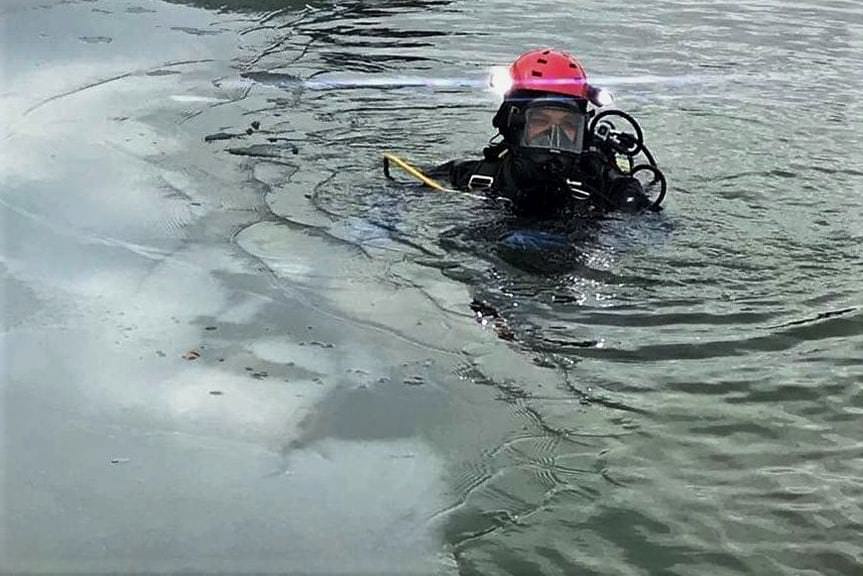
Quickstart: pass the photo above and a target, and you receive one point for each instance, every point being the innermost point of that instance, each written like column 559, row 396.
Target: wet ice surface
column 230, row 346
column 117, row 251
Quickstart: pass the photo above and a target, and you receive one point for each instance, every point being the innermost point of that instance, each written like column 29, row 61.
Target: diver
column 554, row 154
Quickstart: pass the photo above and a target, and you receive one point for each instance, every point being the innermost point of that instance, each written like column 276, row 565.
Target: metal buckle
column 578, row 192
column 603, row 131
column 480, row 182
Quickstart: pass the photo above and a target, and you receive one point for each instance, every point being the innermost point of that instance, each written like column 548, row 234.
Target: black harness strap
column 487, row 175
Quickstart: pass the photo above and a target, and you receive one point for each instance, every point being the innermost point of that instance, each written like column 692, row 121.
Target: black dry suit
column 549, row 176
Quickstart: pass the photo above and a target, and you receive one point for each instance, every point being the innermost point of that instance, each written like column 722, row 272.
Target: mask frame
column 510, row 118
column 552, row 125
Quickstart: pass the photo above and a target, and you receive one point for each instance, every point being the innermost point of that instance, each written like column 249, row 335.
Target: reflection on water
column 259, row 6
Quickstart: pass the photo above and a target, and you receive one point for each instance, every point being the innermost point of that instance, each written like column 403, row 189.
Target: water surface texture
column 231, row 346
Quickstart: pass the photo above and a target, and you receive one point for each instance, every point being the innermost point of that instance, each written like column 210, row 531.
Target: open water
column 671, row 393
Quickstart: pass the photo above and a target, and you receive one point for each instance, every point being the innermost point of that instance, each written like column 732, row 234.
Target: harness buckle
column 480, row 182
column 578, row 192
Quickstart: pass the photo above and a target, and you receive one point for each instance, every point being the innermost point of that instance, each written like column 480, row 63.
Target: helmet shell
column 549, row 71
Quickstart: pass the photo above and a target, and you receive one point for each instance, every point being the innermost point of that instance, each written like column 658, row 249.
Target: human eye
column 540, row 122
column 570, row 124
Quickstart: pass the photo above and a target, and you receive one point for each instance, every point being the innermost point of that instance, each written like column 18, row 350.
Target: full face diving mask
column 553, row 125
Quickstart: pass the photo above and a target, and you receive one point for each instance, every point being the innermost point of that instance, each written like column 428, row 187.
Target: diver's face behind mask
column 553, row 126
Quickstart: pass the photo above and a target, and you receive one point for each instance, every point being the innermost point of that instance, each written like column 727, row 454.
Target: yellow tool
column 415, row 172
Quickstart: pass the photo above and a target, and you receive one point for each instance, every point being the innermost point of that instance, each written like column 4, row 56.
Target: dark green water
column 684, row 390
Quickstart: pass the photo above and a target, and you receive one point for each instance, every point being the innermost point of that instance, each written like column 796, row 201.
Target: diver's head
column 544, row 121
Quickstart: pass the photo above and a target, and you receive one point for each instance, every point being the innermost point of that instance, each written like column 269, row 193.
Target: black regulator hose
column 632, row 146
column 649, row 156
column 658, row 176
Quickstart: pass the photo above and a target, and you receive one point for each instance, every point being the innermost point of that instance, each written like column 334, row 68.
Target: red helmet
column 550, row 71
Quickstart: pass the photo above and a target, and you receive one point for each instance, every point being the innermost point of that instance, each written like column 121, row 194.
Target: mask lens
column 553, row 127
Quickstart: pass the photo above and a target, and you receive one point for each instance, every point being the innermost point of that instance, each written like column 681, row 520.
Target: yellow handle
column 415, row 172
